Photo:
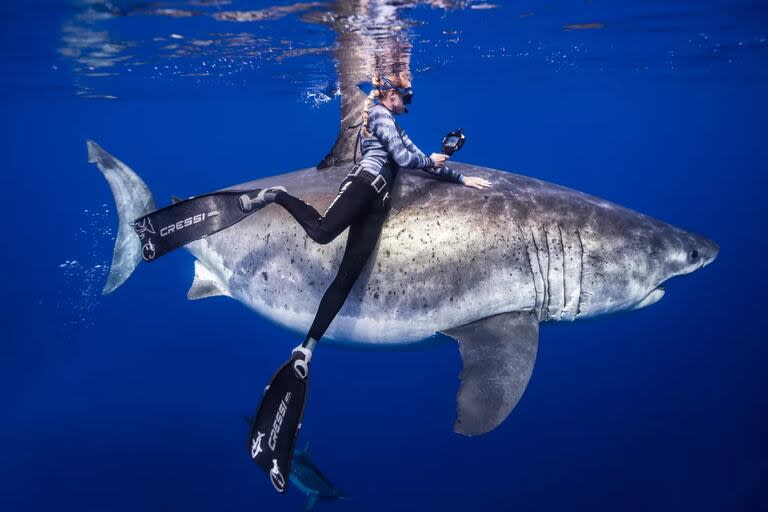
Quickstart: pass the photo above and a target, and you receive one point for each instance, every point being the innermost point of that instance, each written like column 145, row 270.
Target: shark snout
column 708, row 251
column 694, row 253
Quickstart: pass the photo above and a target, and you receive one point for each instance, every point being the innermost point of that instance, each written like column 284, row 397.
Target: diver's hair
column 395, row 79
column 369, row 100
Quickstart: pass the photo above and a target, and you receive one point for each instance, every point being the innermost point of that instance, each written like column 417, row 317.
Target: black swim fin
column 273, row 433
column 176, row 225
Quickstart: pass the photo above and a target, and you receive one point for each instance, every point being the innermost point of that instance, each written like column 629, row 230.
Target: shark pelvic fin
column 133, row 200
column 206, row 284
column 498, row 353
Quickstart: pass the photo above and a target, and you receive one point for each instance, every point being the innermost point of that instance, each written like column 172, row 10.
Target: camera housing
column 453, row 142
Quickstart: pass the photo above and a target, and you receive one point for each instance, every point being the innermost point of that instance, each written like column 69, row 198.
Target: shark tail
column 133, row 200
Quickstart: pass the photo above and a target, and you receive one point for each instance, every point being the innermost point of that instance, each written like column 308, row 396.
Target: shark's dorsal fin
column 206, row 284
column 498, row 353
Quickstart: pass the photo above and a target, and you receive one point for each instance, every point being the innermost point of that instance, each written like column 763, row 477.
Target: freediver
column 361, row 204
column 363, row 199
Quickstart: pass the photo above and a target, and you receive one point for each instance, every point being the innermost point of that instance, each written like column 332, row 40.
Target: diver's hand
column 476, row 182
column 438, row 159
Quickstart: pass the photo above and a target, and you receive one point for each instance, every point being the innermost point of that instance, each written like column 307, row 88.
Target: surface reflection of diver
column 311, row 481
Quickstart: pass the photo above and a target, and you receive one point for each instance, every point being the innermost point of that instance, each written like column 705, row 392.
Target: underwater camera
column 453, row 142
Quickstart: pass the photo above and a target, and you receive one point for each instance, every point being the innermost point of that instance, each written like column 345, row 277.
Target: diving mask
column 406, row 93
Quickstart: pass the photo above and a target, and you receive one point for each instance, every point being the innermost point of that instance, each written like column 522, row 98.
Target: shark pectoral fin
column 498, row 353
column 652, row 298
column 206, row 284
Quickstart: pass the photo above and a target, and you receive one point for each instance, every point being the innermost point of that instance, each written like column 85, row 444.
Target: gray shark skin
column 484, row 267
column 310, row 481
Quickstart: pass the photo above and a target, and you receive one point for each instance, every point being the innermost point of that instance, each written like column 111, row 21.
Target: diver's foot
column 259, row 198
column 301, row 357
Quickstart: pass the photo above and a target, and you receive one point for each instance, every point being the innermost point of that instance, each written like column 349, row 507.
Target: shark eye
column 694, row 254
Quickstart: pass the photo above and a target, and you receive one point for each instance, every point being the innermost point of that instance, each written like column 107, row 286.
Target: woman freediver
column 362, row 202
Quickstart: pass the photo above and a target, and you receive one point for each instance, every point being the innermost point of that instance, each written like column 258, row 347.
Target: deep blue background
column 136, row 401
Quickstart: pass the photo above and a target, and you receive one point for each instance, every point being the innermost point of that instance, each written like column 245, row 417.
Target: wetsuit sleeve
column 384, row 128
column 409, row 145
column 445, row 174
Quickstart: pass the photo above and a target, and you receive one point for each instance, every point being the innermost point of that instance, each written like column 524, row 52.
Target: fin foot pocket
column 256, row 200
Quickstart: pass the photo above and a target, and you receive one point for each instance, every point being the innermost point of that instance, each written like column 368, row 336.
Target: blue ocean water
column 136, row 400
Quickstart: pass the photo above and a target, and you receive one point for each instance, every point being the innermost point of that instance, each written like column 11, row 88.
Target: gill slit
column 543, row 281
column 562, row 248
column 581, row 271
column 530, row 266
column 549, row 257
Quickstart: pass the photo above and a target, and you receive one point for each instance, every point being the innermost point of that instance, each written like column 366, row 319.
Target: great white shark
column 484, row 267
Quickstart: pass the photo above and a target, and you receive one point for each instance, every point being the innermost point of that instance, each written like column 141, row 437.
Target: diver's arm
column 384, row 128
column 442, row 172
column 445, row 174
column 409, row 145
column 476, row 182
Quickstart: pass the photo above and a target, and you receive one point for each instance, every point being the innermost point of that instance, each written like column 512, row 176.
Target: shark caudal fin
column 133, row 200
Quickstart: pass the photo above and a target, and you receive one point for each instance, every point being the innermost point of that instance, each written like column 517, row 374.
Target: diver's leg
column 363, row 235
column 352, row 200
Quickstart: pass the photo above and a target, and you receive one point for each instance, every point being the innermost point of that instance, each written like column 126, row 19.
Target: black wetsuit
column 361, row 204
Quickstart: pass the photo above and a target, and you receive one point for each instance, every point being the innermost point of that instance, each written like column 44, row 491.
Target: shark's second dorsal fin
column 206, row 284
column 498, row 353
